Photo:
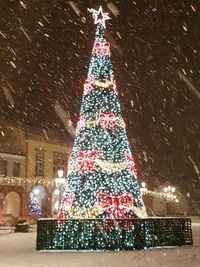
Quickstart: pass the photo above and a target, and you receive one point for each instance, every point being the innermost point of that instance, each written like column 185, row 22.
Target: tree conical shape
column 101, row 180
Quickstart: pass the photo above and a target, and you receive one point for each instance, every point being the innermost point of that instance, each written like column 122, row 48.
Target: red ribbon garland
column 114, row 87
column 89, row 85
column 80, row 123
column 115, row 205
column 131, row 164
column 107, row 120
column 66, row 201
column 86, row 160
column 101, row 49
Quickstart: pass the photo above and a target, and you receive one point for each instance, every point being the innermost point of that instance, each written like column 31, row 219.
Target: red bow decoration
column 88, row 85
column 101, row 49
column 107, row 119
column 115, row 205
column 131, row 164
column 66, row 202
column 86, row 160
column 114, row 87
column 80, row 124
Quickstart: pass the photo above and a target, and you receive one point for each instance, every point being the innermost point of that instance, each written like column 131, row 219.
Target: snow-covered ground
column 18, row 250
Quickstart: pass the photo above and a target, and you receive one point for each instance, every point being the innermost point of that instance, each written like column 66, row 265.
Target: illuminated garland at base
column 113, row 235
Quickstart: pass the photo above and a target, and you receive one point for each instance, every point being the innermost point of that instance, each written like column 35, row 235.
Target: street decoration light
column 169, row 191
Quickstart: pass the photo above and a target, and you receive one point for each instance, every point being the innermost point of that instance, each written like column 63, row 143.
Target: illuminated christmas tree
column 102, row 199
column 102, row 178
column 34, row 207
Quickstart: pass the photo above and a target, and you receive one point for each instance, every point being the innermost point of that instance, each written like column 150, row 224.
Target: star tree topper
column 99, row 16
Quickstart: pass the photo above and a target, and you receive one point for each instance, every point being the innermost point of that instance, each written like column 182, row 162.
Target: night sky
column 45, row 47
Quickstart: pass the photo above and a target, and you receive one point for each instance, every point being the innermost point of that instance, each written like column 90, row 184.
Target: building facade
column 29, row 160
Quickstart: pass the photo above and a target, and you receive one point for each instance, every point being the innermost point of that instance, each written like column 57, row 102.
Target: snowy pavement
column 18, row 250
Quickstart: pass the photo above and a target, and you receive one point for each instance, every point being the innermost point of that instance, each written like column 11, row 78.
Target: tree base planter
column 115, row 235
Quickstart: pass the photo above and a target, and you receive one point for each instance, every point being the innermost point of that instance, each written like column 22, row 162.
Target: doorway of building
column 12, row 204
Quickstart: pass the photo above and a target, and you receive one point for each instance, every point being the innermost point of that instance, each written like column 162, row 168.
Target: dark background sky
column 45, row 47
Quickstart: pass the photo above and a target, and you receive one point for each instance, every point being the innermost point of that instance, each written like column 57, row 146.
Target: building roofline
column 12, row 155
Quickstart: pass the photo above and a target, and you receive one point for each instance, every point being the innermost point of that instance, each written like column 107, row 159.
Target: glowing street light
column 144, row 187
column 169, row 189
column 57, row 192
column 169, row 192
column 143, row 184
column 36, row 191
column 60, row 180
column 60, row 173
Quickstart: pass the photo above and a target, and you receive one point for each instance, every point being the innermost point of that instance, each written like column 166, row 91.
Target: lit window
column 59, row 163
column 39, row 165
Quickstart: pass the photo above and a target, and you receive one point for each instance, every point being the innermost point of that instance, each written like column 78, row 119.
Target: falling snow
column 45, row 47
column 113, row 8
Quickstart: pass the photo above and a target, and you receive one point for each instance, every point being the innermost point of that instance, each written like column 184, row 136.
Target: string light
column 21, row 181
column 108, row 167
column 114, row 121
column 87, row 160
column 168, row 197
column 111, row 167
column 91, row 84
column 101, row 161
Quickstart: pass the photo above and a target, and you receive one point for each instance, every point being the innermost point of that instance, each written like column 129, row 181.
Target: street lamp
column 60, row 181
column 169, row 191
column 144, row 187
column 36, row 191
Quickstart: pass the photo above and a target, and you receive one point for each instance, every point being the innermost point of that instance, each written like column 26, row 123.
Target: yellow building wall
column 12, row 139
column 13, row 147
column 49, row 149
column 10, row 160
